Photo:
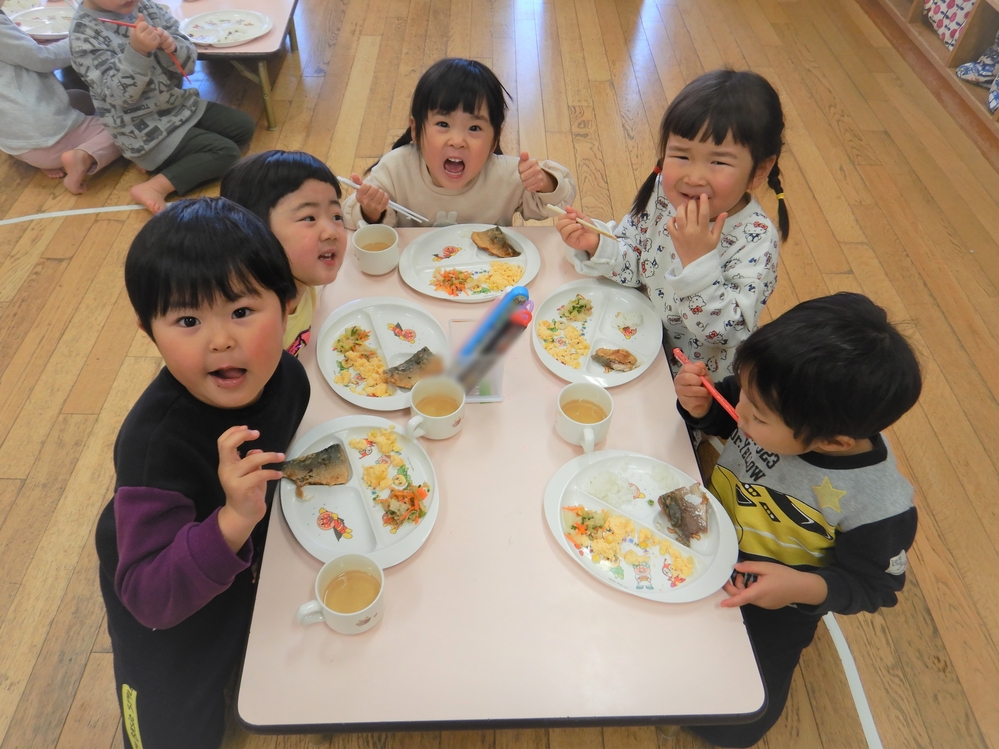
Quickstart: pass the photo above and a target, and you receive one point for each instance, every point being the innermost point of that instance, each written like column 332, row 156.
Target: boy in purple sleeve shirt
column 210, row 285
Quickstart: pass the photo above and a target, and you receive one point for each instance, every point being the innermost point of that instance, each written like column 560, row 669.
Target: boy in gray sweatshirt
column 122, row 49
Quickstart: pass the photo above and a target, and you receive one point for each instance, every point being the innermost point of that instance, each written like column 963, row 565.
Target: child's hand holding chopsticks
column 167, row 43
column 573, row 233
column 693, row 394
column 144, row 39
column 690, row 390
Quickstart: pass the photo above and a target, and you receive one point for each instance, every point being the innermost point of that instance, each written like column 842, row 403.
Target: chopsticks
column 710, row 386
column 172, row 55
column 587, row 224
column 395, row 206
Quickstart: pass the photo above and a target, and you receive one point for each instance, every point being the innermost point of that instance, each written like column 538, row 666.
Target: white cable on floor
column 853, row 680
column 77, row 212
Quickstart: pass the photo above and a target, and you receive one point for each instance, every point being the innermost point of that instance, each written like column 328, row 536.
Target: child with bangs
column 448, row 166
column 178, row 539
column 298, row 197
column 823, row 516
column 696, row 239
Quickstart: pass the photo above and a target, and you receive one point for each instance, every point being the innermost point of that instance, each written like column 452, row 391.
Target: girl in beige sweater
column 449, row 167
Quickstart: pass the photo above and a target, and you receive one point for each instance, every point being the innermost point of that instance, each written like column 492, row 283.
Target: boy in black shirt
column 210, row 285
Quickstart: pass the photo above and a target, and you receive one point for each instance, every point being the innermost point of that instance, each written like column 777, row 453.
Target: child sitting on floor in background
column 43, row 124
column 138, row 94
column 696, row 239
column 299, row 198
column 448, row 165
column 210, row 285
column 823, row 516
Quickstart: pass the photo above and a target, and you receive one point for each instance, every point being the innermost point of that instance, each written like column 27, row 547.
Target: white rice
column 611, row 488
column 614, row 488
column 628, row 319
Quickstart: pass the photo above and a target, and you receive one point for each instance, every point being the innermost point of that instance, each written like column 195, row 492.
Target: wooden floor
column 887, row 196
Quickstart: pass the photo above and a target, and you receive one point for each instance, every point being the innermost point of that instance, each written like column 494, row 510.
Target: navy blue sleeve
column 716, row 421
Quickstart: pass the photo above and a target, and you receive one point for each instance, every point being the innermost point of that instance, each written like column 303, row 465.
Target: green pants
column 209, row 148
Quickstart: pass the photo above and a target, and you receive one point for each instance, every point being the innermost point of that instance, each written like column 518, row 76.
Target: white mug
column 577, row 432
column 352, row 623
column 431, row 426
column 376, row 262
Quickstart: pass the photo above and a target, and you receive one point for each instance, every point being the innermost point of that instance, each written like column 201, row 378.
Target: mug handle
column 588, row 440
column 309, row 613
column 412, row 428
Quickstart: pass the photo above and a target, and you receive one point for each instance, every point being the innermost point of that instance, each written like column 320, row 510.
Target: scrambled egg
column 376, row 476
column 384, row 440
column 499, row 277
column 563, row 341
column 682, row 564
column 370, row 374
column 607, row 545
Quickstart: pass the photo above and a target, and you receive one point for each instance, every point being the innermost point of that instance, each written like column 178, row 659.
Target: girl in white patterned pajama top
column 696, row 240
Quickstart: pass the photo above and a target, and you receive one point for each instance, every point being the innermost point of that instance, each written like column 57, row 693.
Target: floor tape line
column 853, row 680
column 77, row 212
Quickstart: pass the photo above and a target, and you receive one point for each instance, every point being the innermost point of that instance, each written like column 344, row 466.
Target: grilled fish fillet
column 327, row 467
column 494, row 242
column 618, row 359
column 421, row 364
column 688, row 519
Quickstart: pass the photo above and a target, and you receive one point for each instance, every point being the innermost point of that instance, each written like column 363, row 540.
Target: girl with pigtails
column 696, row 239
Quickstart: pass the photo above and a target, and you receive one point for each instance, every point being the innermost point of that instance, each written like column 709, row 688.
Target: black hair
column 831, row 366
column 260, row 181
column 715, row 104
column 454, row 83
column 199, row 250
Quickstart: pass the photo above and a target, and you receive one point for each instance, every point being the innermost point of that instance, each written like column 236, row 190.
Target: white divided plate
column 44, row 23
column 380, row 315
column 16, row 6
column 650, row 575
column 333, row 520
column 226, row 28
column 425, row 254
column 602, row 330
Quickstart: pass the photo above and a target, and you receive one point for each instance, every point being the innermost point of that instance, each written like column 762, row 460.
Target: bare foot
column 54, row 173
column 76, row 163
column 152, row 193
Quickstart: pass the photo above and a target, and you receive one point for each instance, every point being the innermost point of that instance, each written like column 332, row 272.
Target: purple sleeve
column 169, row 566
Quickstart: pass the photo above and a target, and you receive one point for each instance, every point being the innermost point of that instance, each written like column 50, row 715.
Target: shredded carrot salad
column 404, row 505
column 451, row 281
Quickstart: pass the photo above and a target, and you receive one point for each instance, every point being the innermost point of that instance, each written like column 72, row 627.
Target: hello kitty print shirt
column 708, row 307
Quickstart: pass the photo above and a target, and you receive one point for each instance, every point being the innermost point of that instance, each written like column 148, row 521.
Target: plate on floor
column 448, row 259
column 44, row 23
column 396, row 329
column 582, row 317
column 347, row 519
column 226, row 28
column 642, row 555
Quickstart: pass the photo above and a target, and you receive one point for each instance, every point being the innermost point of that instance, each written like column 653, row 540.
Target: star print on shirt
column 829, row 496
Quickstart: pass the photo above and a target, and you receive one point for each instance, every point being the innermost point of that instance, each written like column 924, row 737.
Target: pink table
column 262, row 49
column 486, row 627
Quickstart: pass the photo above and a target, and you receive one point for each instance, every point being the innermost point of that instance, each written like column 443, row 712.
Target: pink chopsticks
column 172, row 55
column 710, row 386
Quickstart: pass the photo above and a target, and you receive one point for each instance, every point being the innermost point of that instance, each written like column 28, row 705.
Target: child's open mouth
column 691, row 196
column 454, row 168
column 329, row 258
column 229, row 377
